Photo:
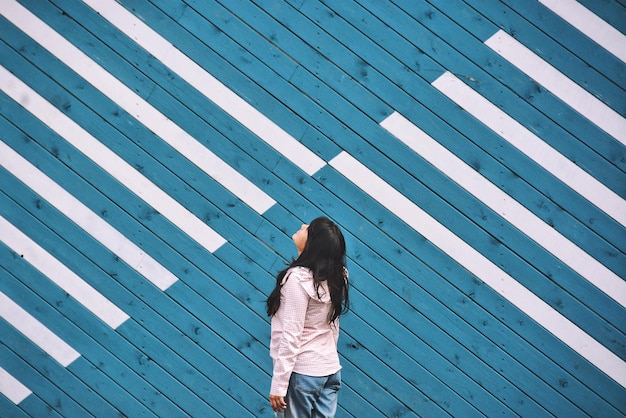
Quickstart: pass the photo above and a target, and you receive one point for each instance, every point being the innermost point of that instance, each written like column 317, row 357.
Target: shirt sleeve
column 293, row 313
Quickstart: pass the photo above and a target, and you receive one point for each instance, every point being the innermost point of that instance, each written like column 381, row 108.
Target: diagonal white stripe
column 531, row 145
column 132, row 103
column 558, row 84
column 481, row 267
column 109, row 161
column 507, row 207
column 62, row 276
column 85, row 218
column 12, row 388
column 36, row 331
column 208, row 85
column 591, row 25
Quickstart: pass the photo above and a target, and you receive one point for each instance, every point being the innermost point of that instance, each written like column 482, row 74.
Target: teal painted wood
column 178, row 89
column 54, row 397
column 615, row 228
column 611, row 11
column 459, row 317
column 112, row 365
column 144, row 162
column 111, row 211
column 519, row 166
column 577, row 43
column 502, row 15
column 75, row 384
column 538, row 97
column 449, row 114
column 143, row 214
column 417, row 273
column 201, row 360
column 595, row 252
column 378, row 162
column 582, row 66
column 484, row 316
column 89, row 373
column 401, row 232
column 460, row 62
column 187, row 374
column 108, row 364
column 477, row 217
column 32, row 407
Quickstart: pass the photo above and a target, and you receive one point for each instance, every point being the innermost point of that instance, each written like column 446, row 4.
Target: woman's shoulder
column 303, row 274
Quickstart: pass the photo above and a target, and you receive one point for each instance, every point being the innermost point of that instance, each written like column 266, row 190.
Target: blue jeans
column 310, row 396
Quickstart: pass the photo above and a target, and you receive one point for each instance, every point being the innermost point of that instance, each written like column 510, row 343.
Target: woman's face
column 299, row 238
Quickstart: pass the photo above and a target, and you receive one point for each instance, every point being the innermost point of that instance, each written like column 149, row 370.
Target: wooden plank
column 408, row 264
column 38, row 382
column 208, row 340
column 500, row 202
column 578, row 156
column 531, row 92
column 529, row 19
column 114, row 213
column 55, row 149
column 142, row 111
column 612, row 11
column 85, row 218
column 514, row 322
column 519, row 167
column 531, row 145
column 33, row 406
column 474, row 262
column 71, row 385
column 461, row 61
column 192, row 327
column 213, row 242
column 61, row 275
column 87, row 372
column 160, row 176
column 36, row 332
column 591, row 25
column 376, row 162
column 366, row 23
column 212, row 88
column 144, row 366
column 558, row 84
column 12, row 388
column 276, row 223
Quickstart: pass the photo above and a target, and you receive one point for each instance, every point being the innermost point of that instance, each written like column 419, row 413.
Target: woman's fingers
column 277, row 403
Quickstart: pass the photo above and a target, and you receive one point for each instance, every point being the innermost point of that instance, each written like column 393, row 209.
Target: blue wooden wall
column 156, row 157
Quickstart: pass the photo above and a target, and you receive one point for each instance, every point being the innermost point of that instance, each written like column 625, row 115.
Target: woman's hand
column 278, row 403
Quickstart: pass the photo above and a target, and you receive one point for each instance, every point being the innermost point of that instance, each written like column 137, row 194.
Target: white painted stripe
column 110, row 162
column 208, row 85
column 62, row 276
column 12, row 388
column 559, row 84
column 36, row 332
column 531, row 145
column 149, row 116
column 481, row 267
column 591, row 25
column 85, row 217
column 507, row 207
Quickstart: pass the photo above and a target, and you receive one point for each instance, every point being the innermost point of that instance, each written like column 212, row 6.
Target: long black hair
column 325, row 255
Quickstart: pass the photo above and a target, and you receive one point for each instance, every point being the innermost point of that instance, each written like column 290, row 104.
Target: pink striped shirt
column 302, row 339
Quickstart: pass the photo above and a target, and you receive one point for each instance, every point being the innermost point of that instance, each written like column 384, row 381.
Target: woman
column 305, row 306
